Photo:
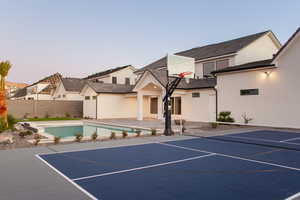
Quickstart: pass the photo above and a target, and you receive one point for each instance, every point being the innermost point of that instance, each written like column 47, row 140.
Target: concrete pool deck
column 24, row 176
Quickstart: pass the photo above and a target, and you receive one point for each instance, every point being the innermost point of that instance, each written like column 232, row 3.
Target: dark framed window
column 196, row 94
column 127, row 81
column 153, row 105
column 87, row 97
column 114, row 80
column 208, row 68
column 249, row 92
column 94, row 97
column 221, row 64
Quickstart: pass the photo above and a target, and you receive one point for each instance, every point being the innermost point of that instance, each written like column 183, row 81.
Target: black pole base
column 168, row 132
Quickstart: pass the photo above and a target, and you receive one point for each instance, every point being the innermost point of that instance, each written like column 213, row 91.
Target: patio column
column 139, row 106
column 159, row 107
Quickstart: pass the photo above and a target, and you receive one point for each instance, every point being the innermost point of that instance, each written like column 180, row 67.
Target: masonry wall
column 40, row 108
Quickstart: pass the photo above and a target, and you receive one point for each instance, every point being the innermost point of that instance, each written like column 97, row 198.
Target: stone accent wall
column 41, row 108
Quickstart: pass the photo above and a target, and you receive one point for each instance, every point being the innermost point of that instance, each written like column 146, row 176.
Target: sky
column 77, row 37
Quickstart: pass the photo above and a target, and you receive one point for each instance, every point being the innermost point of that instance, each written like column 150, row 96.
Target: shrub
column 56, row 139
column 37, row 139
column 94, row 136
column 153, row 131
column 113, row 135
column 224, row 116
column 138, row 132
column 11, row 121
column 125, row 134
column 22, row 134
column 67, row 115
column 36, row 117
column 47, row 115
column 26, row 115
column 246, row 119
column 214, row 125
column 28, row 132
column 178, row 122
column 78, row 137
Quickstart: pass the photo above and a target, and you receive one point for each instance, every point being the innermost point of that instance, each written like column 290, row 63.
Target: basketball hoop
column 183, row 74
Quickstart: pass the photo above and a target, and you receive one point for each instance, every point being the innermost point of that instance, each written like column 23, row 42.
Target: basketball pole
column 170, row 87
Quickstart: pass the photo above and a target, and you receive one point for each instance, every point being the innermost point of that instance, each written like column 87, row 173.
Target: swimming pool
column 88, row 130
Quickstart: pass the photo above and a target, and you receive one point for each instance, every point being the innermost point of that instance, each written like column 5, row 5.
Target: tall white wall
column 121, row 75
column 116, row 106
column 199, row 109
column 89, row 106
column 278, row 101
column 261, row 49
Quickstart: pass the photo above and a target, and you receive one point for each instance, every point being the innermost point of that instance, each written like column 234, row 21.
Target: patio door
column 153, row 106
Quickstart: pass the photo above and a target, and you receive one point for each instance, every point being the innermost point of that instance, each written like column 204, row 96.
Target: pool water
column 87, row 130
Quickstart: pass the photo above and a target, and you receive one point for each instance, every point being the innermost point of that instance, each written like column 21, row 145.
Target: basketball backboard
column 179, row 64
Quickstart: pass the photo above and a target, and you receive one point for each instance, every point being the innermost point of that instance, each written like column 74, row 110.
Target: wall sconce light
column 268, row 73
column 154, row 86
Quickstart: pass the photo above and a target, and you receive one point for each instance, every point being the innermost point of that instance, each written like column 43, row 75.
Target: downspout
column 97, row 106
column 215, row 89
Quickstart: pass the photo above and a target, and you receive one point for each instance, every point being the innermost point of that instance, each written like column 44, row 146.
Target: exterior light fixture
column 268, row 73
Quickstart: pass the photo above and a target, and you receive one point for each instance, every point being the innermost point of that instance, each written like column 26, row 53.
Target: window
column 87, row 97
column 114, row 80
column 208, row 68
column 64, row 96
column 153, row 105
column 94, row 97
column 30, row 98
column 195, row 94
column 221, row 64
column 176, row 105
column 249, row 92
column 127, row 81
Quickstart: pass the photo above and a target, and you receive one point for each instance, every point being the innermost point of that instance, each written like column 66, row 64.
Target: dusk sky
column 77, row 37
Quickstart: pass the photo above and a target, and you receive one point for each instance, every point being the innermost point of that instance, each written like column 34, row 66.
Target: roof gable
column 286, row 45
column 73, row 84
column 107, row 72
column 209, row 51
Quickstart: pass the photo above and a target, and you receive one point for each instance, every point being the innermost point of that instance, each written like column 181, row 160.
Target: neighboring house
column 40, row 90
column 68, row 89
column 194, row 99
column 119, row 75
column 266, row 91
column 12, row 87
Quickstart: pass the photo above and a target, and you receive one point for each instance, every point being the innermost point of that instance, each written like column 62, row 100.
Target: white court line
column 144, row 167
column 68, row 179
column 293, row 196
column 291, row 139
column 235, row 157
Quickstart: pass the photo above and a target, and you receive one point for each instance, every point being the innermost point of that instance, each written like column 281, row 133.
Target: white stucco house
column 118, row 75
column 194, row 99
column 266, row 91
column 68, row 89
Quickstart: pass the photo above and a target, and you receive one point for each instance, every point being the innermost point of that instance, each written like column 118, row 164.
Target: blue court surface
column 199, row 168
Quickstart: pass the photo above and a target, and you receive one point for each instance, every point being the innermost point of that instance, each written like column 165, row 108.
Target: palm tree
column 4, row 68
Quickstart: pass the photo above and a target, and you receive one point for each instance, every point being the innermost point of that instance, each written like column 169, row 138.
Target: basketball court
column 249, row 165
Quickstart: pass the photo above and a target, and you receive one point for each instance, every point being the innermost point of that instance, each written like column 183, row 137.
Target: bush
column 36, row 117
column 47, row 115
column 28, row 132
column 37, row 139
column 67, row 115
column 224, row 116
column 78, row 137
column 153, row 131
column 22, row 134
column 56, row 139
column 214, row 125
column 113, row 135
column 125, row 134
column 26, row 115
column 94, row 136
column 178, row 122
column 138, row 132
column 246, row 118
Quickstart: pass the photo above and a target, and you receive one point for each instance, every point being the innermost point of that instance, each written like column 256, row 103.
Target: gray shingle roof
column 247, row 66
column 109, row 71
column 73, row 84
column 208, row 51
column 20, row 93
column 110, row 88
column 161, row 76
